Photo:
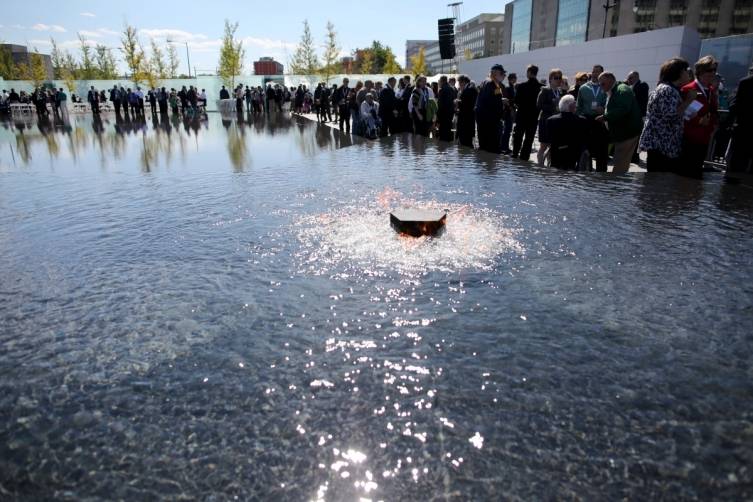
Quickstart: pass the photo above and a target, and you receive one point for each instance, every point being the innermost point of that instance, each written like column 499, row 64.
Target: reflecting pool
column 219, row 308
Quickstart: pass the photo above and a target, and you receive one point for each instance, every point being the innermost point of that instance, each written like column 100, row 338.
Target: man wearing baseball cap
column 489, row 110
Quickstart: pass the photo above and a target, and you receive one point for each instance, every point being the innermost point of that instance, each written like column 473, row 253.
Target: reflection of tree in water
column 237, row 148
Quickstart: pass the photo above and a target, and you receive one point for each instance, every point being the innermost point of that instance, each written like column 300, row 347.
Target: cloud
column 17, row 27
column 173, row 34
column 268, row 43
column 48, row 27
column 64, row 44
column 90, row 34
column 88, row 14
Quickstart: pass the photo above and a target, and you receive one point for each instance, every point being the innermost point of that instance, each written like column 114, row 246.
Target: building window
column 709, row 18
column 520, row 34
column 572, row 22
column 678, row 10
column 741, row 17
column 644, row 15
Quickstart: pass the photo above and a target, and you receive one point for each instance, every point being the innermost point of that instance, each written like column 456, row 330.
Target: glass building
column 520, row 34
column 572, row 22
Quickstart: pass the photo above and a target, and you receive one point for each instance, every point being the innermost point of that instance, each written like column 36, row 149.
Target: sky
column 270, row 28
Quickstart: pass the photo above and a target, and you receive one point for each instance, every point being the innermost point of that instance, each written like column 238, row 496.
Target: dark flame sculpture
column 418, row 222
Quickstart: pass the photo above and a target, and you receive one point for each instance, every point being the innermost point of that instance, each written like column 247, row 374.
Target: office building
column 268, row 66
column 536, row 24
column 481, row 36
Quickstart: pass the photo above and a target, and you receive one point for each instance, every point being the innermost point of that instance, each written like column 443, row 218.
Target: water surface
column 217, row 309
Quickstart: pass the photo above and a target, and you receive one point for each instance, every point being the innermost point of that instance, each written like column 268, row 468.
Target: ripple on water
column 361, row 235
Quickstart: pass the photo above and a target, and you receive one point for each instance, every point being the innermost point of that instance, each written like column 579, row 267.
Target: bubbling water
column 361, row 235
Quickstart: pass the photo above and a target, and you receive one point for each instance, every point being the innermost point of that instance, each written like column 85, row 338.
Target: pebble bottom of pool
column 219, row 310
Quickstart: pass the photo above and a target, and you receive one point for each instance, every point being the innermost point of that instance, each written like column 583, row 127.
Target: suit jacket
column 526, row 96
column 466, row 110
column 93, row 96
column 387, row 103
column 568, row 134
column 446, row 103
column 489, row 102
column 742, row 106
column 640, row 89
column 341, row 95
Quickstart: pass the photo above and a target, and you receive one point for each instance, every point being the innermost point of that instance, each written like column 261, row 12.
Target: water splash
column 361, row 235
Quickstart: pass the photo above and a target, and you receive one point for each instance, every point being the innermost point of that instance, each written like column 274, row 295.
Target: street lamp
column 188, row 58
column 608, row 6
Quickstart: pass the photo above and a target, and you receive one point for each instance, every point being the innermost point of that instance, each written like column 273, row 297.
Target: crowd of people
column 581, row 126
column 578, row 127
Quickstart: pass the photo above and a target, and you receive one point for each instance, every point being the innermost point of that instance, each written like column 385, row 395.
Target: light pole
column 608, row 6
column 188, row 58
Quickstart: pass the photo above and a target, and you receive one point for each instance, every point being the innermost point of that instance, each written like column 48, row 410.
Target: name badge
column 594, row 105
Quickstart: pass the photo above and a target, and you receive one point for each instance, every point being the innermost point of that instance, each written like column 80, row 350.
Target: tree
column 231, row 55
column 88, row 71
column 7, row 67
column 157, row 63
column 418, row 62
column 68, row 71
column 173, row 62
column 106, row 66
column 391, row 65
column 133, row 54
column 365, row 61
column 56, row 57
column 34, row 70
column 330, row 64
column 304, row 61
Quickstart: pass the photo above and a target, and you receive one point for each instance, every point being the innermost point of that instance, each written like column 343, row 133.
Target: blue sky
column 268, row 28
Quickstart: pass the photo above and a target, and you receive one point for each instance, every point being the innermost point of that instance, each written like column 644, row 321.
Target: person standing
column 162, row 100
column 341, row 101
column 591, row 103
column 445, row 109
column 640, row 89
column 567, row 135
column 527, row 115
column 489, row 108
column 420, row 104
column 404, row 106
column 115, row 99
column 661, row 137
column 508, row 114
column 548, row 103
column 466, row 102
column 62, row 104
column 701, row 117
column 623, row 119
column 324, row 104
column 388, row 107
column 153, row 100
column 93, row 99
column 742, row 113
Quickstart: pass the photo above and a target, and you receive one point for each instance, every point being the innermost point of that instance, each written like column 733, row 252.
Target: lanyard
column 703, row 90
column 596, row 90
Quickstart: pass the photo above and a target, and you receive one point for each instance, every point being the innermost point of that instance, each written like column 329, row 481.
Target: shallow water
column 214, row 310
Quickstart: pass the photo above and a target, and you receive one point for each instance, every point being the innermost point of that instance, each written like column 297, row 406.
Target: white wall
column 644, row 52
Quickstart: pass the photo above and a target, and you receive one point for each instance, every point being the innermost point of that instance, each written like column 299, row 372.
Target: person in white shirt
column 370, row 115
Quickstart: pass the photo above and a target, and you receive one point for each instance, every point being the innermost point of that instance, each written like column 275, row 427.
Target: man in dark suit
column 742, row 112
column 445, row 109
column 93, row 99
column 568, row 133
column 224, row 94
column 388, row 107
column 341, row 102
column 404, row 113
column 508, row 117
column 489, row 110
column 466, row 128
column 640, row 89
column 526, row 119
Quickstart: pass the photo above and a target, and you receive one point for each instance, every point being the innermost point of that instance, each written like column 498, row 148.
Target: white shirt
column 366, row 108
